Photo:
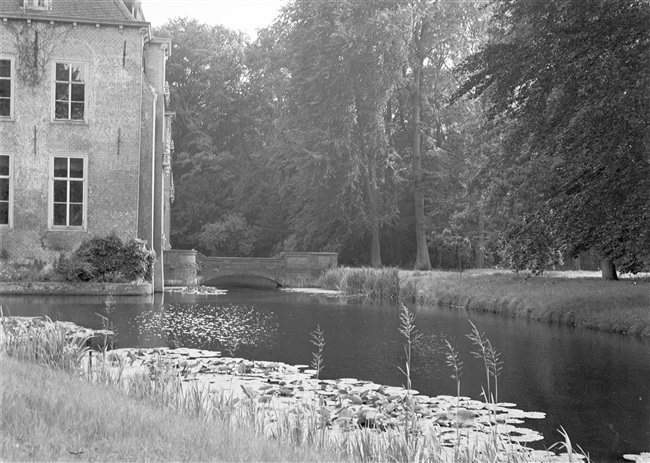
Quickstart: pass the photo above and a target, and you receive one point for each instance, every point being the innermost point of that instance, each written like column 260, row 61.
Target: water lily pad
column 642, row 457
column 348, row 380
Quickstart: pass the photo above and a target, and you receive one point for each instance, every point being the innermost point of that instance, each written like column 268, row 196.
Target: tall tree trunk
column 375, row 249
column 480, row 244
column 608, row 269
column 370, row 146
column 422, row 260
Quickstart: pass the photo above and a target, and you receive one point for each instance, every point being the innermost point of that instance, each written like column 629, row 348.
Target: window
column 68, row 192
column 6, row 87
column 37, row 4
column 6, row 191
column 70, row 91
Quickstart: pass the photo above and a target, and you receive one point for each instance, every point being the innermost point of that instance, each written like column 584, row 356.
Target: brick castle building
column 85, row 138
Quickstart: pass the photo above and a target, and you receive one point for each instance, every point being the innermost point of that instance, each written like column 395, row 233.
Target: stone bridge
column 291, row 269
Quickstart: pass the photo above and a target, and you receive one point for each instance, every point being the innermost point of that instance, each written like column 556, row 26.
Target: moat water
column 595, row 385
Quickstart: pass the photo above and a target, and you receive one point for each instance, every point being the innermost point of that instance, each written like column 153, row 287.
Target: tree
column 343, row 59
column 439, row 34
column 225, row 107
column 570, row 79
column 231, row 236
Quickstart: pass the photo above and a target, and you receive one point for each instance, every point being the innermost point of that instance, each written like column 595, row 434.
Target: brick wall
column 110, row 138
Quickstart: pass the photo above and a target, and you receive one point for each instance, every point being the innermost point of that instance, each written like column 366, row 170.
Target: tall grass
column 374, row 285
column 44, row 342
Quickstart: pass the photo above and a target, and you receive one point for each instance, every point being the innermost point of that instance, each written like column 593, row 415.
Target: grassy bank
column 579, row 299
column 48, row 415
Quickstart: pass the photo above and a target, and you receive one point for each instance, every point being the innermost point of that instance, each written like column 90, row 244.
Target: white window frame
column 37, row 4
column 86, row 88
column 11, row 191
column 50, row 201
column 12, row 79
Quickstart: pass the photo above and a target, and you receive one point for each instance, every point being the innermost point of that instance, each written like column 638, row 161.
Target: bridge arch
column 239, row 279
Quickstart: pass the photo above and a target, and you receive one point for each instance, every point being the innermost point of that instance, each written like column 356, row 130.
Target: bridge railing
column 288, row 269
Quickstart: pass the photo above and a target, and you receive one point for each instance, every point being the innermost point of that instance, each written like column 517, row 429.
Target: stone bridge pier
column 290, row 269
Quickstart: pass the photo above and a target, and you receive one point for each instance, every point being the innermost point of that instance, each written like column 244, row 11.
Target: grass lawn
column 48, row 415
column 580, row 299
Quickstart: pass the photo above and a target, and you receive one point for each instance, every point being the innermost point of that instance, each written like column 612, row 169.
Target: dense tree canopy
column 570, row 79
column 343, row 127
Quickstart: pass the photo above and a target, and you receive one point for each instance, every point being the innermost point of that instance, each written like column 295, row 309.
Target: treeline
column 417, row 133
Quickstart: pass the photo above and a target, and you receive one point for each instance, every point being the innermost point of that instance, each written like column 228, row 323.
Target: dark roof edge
column 63, row 19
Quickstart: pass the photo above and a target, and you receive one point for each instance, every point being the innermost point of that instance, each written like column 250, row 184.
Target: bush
column 104, row 254
column 137, row 260
column 75, row 269
column 108, row 259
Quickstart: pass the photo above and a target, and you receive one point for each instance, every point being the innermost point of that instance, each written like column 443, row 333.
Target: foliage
column 530, row 245
column 137, row 261
column 108, row 259
column 343, row 60
column 73, row 268
column 103, row 253
column 325, row 132
column 568, row 81
column 232, row 236
column 225, row 107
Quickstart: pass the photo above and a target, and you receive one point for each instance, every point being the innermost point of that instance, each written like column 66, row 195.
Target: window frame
column 50, row 199
column 10, row 176
column 12, row 87
column 69, row 120
column 34, row 5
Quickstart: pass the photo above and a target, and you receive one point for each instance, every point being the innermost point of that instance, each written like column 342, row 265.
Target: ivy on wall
column 35, row 44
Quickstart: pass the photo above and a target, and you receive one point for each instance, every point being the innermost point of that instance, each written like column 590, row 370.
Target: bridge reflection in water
column 290, row 269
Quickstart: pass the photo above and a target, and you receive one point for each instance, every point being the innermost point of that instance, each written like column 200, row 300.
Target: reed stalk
column 318, row 340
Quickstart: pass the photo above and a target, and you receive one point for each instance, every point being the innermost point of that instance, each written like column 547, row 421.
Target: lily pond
column 594, row 385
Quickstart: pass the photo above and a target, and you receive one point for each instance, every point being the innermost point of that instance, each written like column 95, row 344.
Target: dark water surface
column 595, row 385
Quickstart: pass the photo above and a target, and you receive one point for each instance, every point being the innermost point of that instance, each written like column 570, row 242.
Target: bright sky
column 243, row 15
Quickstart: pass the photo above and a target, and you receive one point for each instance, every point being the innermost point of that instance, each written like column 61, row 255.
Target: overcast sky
column 244, row 15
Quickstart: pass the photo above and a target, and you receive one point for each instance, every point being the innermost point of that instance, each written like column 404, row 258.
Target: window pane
column 78, row 73
column 76, row 168
column 5, row 107
column 60, row 213
column 5, row 68
column 76, row 215
column 61, row 110
column 4, row 189
column 60, row 191
column 62, row 92
column 4, row 213
column 5, row 88
column 76, row 192
column 78, row 91
column 61, row 167
column 77, row 111
column 4, row 165
column 62, row 71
